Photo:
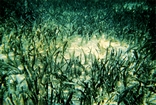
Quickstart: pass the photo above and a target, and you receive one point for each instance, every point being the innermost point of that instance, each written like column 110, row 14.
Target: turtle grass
column 35, row 68
column 36, row 71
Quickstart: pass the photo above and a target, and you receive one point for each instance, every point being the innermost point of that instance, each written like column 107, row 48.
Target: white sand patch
column 78, row 46
column 95, row 46
column 3, row 57
column 17, row 82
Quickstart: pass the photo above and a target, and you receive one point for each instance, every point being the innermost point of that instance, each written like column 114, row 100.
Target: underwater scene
column 77, row 52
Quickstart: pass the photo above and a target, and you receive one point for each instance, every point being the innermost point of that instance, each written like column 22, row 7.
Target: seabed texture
column 77, row 52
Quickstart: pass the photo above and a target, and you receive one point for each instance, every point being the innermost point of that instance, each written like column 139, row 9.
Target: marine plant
column 37, row 66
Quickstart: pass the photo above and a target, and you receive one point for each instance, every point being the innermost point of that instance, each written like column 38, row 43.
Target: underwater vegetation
column 77, row 55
